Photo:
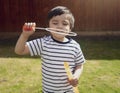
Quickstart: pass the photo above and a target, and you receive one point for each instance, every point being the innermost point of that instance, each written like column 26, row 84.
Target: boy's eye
column 65, row 23
column 55, row 23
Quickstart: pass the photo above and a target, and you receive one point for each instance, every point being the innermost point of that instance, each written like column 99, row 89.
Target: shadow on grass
column 96, row 47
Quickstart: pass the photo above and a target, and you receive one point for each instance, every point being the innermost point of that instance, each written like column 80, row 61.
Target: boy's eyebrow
column 57, row 20
column 54, row 20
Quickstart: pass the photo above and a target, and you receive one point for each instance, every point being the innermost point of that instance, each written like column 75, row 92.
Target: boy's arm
column 21, row 48
column 76, row 75
column 78, row 71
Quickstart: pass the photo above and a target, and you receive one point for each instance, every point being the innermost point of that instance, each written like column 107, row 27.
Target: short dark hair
column 59, row 10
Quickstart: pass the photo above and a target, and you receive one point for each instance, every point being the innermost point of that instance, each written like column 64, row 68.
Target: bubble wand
column 58, row 31
column 70, row 76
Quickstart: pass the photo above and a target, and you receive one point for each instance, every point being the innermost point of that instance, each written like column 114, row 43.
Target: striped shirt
column 53, row 54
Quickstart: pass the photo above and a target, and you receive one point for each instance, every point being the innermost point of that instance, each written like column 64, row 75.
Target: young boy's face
column 60, row 22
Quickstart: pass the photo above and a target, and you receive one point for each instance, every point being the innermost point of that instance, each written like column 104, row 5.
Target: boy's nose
column 60, row 26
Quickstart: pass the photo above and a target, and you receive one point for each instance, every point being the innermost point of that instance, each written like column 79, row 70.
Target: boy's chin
column 58, row 35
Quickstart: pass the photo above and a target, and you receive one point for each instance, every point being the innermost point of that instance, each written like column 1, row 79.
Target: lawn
column 22, row 74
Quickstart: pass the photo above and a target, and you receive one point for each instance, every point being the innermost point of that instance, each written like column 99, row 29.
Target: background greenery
column 22, row 74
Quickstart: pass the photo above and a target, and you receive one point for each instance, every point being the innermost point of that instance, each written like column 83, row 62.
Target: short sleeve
column 35, row 47
column 79, row 58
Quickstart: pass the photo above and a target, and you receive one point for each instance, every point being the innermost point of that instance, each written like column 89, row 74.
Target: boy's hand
column 28, row 29
column 73, row 82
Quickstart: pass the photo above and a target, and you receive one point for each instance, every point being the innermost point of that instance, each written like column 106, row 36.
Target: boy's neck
column 63, row 39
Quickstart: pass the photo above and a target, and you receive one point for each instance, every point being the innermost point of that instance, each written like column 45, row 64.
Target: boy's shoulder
column 74, row 42
column 45, row 38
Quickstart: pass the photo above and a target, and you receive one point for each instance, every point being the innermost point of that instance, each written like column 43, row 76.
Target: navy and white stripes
column 53, row 55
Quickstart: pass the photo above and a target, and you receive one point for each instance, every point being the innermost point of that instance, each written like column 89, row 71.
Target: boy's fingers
column 73, row 82
column 34, row 24
column 29, row 26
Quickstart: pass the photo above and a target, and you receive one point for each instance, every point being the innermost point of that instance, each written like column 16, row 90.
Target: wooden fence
column 90, row 15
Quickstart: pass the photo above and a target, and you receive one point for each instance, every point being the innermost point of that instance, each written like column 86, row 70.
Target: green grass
column 22, row 74
column 101, row 76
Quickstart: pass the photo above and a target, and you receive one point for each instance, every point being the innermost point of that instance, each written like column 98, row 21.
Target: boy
column 54, row 51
